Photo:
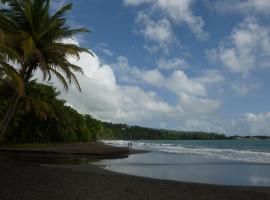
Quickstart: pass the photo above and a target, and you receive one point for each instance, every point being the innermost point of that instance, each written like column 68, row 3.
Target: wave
column 217, row 153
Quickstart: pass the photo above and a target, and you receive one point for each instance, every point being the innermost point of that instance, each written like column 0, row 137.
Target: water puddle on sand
column 191, row 168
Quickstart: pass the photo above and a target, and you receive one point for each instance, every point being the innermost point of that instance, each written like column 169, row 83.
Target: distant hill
column 257, row 137
column 125, row 132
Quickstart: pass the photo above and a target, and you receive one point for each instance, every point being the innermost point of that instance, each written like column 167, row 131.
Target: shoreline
column 92, row 150
column 30, row 181
column 33, row 180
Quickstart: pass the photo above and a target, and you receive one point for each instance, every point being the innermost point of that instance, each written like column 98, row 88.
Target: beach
column 30, row 180
column 232, row 163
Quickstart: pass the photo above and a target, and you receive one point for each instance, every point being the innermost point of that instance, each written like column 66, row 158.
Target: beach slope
column 29, row 181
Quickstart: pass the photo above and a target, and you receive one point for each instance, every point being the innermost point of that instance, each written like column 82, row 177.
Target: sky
column 196, row 65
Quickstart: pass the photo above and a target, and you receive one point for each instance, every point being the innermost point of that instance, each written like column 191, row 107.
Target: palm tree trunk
column 8, row 116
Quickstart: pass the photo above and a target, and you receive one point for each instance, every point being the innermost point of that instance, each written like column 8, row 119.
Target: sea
column 221, row 162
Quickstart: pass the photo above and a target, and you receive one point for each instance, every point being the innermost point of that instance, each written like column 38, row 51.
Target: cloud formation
column 172, row 64
column 158, row 32
column 247, row 48
column 105, row 99
column 244, row 88
column 258, row 123
column 191, row 93
column 175, row 87
column 258, row 7
column 251, row 124
column 179, row 12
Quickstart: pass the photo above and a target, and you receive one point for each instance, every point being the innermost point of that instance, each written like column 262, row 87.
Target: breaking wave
column 255, row 156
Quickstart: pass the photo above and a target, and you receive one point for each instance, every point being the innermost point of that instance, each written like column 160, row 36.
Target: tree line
column 43, row 117
column 125, row 132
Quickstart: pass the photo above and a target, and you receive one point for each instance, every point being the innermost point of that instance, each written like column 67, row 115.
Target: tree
column 42, row 117
column 34, row 38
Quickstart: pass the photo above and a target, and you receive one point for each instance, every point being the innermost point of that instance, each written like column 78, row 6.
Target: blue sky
column 175, row 64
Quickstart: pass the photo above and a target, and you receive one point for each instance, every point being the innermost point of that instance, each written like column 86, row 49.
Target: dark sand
column 25, row 181
column 94, row 150
column 20, row 181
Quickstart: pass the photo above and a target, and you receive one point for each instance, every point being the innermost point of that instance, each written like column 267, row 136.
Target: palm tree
column 7, row 71
column 33, row 38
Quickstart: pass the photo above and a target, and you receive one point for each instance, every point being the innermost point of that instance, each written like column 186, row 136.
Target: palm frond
column 34, row 37
column 60, row 77
column 60, row 12
column 14, row 75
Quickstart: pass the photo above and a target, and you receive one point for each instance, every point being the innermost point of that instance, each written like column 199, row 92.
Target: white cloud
column 180, row 83
column 247, row 47
column 172, row 64
column 159, row 32
column 193, row 104
column 201, row 125
column 125, row 72
column 257, row 124
column 153, row 77
column 259, row 7
column 178, row 11
column 247, row 124
column 155, row 48
column 107, row 52
column 104, row 49
column 177, row 82
column 105, row 99
column 192, row 95
column 136, row 2
column 210, row 76
column 244, row 88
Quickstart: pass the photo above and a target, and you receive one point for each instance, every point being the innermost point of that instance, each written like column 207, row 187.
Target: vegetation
column 256, row 137
column 42, row 117
column 33, row 38
column 125, row 132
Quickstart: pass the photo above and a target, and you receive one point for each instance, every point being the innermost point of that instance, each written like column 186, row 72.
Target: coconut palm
column 7, row 71
column 35, row 39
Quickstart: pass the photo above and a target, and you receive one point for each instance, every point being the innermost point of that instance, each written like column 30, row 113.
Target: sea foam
column 217, row 153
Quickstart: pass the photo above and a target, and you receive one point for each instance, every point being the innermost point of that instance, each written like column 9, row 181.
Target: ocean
column 223, row 162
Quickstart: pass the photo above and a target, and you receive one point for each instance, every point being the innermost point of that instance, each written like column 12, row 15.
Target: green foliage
column 42, row 117
column 34, row 37
column 124, row 132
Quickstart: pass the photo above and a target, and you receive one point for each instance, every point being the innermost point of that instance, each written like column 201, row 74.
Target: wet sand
column 20, row 180
column 94, row 150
